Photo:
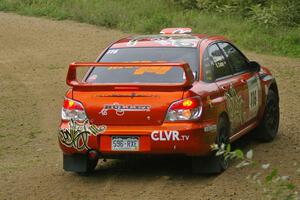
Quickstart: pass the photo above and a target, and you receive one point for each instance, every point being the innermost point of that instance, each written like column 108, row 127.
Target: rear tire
column 223, row 130
column 268, row 127
column 214, row 164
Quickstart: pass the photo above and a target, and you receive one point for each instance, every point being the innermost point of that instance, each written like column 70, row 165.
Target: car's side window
column 208, row 68
column 214, row 64
column 237, row 61
column 221, row 67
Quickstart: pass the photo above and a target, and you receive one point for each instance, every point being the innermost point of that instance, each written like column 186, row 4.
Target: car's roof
column 160, row 40
column 168, row 37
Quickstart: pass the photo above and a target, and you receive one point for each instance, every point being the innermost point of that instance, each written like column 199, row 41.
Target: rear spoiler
column 81, row 85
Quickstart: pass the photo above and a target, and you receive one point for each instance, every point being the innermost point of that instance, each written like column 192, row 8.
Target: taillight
column 73, row 110
column 184, row 110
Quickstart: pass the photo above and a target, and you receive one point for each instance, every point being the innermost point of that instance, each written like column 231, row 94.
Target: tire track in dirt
column 34, row 57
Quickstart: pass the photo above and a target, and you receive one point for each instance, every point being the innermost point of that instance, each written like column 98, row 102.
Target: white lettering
column 185, row 137
column 175, row 135
column 154, row 136
column 168, row 135
column 161, row 136
column 165, row 135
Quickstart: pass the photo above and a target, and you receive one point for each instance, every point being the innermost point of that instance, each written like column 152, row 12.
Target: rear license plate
column 124, row 143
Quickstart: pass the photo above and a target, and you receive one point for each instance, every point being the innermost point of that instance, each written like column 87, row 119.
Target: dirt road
column 34, row 56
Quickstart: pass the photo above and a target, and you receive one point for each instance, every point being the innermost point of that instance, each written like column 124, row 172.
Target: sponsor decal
column 132, row 43
column 254, row 89
column 121, row 109
column 92, row 78
column 77, row 134
column 166, row 40
column 142, row 70
column 181, row 31
column 112, row 51
column 234, row 105
column 211, row 128
column 166, row 135
column 184, row 43
column 176, row 30
column 114, row 68
column 153, row 70
column 132, row 95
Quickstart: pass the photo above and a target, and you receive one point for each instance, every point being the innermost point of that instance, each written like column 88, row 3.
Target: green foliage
column 267, row 12
column 278, row 30
column 285, row 13
column 187, row 4
column 273, row 185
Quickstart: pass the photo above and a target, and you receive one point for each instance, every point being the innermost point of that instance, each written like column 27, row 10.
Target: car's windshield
column 135, row 75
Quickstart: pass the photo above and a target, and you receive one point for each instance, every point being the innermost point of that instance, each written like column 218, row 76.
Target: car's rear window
column 145, row 74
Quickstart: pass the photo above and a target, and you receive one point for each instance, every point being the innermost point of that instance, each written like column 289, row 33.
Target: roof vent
column 176, row 31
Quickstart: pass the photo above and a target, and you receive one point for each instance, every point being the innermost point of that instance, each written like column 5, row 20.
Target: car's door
column 250, row 87
column 231, row 87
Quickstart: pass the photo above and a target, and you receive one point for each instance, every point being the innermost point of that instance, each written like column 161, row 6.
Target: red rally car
column 175, row 93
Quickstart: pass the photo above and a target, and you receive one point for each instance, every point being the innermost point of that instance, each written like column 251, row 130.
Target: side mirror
column 254, row 66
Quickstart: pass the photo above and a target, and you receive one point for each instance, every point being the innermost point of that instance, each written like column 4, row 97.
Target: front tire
column 268, row 127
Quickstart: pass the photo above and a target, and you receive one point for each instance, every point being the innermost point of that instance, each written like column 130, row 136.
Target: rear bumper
column 190, row 139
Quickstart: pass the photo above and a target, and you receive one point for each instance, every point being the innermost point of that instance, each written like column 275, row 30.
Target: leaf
column 242, row 164
column 265, row 166
column 256, row 175
column 228, row 148
column 222, row 146
column 220, row 152
column 214, row 147
column 232, row 155
column 228, row 156
column 271, row 175
column 249, row 154
column 290, row 186
column 239, row 153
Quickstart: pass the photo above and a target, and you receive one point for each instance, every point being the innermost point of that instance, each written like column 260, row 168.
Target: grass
column 143, row 16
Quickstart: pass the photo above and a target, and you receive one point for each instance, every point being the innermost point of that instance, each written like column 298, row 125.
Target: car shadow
column 168, row 167
column 141, row 166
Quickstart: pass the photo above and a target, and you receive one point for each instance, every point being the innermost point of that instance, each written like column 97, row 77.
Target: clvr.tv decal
column 77, row 134
column 165, row 135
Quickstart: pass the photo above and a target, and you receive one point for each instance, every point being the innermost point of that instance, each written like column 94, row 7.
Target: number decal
column 253, row 90
column 112, row 51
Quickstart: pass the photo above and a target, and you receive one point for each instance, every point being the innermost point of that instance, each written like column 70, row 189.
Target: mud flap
column 206, row 165
column 75, row 162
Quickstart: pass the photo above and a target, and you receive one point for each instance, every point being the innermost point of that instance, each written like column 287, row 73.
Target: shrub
column 260, row 25
column 272, row 184
column 267, row 12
